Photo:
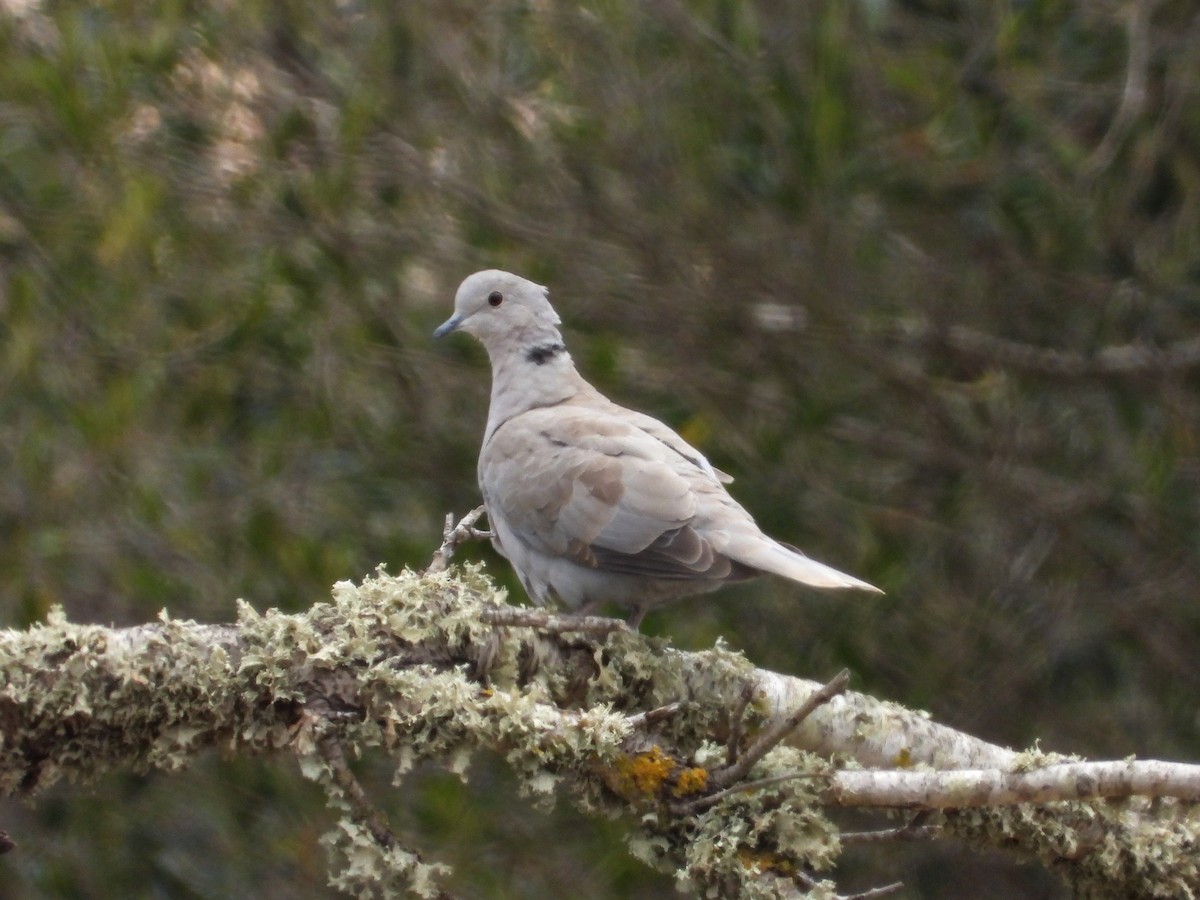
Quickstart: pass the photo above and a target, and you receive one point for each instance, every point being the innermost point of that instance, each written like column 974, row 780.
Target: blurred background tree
column 925, row 276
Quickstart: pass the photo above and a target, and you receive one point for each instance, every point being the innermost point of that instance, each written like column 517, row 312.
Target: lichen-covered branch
column 614, row 721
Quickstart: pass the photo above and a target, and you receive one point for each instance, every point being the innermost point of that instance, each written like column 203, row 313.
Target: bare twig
column 523, row 616
column 454, row 536
column 700, row 804
column 780, row 730
column 806, row 881
column 810, row 884
column 914, row 829
column 877, row 892
column 650, row 716
column 737, row 724
column 903, row 833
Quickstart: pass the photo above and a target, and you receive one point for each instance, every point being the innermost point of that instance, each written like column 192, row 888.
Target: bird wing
column 591, row 485
column 665, row 435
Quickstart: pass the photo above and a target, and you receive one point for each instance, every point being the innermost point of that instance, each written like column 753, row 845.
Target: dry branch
column 962, row 788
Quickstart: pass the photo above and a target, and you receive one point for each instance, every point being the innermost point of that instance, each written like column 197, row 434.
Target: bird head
column 501, row 308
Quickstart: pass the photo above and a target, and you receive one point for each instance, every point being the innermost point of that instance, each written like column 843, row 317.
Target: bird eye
column 495, row 298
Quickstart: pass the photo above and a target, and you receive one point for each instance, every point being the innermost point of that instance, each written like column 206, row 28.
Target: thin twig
column 809, row 883
column 737, row 724
column 900, row 833
column 708, row 800
column 650, row 716
column 523, row 616
column 877, row 892
column 781, row 729
column 805, row 880
column 453, row 536
column 912, row 830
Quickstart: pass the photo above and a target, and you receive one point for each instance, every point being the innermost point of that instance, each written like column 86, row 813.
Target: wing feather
column 602, row 491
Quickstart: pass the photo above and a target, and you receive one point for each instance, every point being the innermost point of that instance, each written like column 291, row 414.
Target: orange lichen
column 690, row 781
column 644, row 773
column 765, row 861
column 653, row 772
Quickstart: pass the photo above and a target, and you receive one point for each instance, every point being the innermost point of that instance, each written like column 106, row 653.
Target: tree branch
column 964, row 788
column 617, row 722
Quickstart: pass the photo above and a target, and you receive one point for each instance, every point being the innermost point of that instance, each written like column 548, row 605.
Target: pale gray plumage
column 593, row 503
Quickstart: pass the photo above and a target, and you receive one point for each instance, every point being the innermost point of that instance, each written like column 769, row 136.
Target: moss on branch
column 617, row 723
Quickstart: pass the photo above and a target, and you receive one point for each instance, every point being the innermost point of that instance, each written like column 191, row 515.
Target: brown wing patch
column 604, row 483
column 591, row 488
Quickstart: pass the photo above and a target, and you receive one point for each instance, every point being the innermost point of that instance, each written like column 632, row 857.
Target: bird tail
column 780, row 559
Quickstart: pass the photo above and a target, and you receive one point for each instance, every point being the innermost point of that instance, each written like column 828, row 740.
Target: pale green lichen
column 1124, row 849
column 77, row 700
column 367, row 869
column 751, row 843
column 1129, row 848
column 1035, row 758
column 405, row 664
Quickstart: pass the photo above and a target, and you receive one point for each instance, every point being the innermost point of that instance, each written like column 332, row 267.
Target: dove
column 594, row 504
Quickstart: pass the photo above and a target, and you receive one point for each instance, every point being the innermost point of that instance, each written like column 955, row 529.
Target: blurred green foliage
column 872, row 257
